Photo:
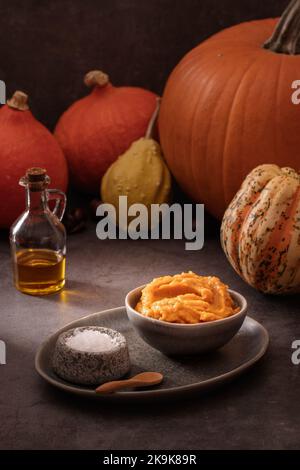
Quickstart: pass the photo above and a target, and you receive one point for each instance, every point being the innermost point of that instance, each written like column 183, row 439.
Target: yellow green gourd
column 140, row 173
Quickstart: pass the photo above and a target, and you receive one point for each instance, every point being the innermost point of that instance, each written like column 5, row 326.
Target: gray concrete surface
column 259, row 410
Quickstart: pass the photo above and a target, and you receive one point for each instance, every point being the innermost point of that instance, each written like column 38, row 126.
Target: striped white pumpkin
column 260, row 232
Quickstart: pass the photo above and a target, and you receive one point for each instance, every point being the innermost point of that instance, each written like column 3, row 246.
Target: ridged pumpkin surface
column 25, row 143
column 98, row 128
column 260, row 233
column 226, row 109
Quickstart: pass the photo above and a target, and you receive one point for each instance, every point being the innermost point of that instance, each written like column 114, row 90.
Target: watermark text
column 160, row 221
column 296, row 94
column 2, row 92
column 2, row 353
column 296, row 353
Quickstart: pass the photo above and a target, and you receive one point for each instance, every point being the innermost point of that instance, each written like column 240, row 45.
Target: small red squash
column 95, row 130
column 25, row 143
column 227, row 108
column 260, row 233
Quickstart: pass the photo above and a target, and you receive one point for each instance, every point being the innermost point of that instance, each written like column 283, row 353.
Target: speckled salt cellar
column 91, row 368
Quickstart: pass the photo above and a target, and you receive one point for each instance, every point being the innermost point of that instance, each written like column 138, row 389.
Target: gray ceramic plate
column 182, row 375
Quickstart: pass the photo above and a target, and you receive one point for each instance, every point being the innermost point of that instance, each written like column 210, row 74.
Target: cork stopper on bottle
column 36, row 178
column 36, row 175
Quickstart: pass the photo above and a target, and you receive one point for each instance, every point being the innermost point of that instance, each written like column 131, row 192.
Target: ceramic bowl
column 180, row 339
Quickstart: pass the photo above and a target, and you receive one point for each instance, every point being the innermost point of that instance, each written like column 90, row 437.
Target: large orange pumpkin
column 260, row 233
column 98, row 128
column 227, row 108
column 25, row 143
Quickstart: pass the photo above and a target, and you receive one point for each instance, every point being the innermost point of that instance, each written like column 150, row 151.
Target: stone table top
column 259, row 410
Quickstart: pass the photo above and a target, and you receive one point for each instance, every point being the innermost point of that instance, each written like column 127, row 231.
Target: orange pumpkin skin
column 226, row 109
column 98, row 128
column 260, row 232
column 25, row 143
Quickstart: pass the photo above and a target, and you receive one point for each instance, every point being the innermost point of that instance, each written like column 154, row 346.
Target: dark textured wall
column 47, row 46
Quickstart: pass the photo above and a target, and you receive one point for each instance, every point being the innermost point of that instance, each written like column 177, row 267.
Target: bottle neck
column 36, row 201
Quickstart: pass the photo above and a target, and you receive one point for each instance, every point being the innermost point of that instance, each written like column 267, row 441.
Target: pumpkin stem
column 286, row 37
column 96, row 78
column 19, row 101
column 152, row 122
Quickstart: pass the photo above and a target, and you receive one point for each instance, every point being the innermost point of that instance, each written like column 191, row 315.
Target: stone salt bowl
column 84, row 367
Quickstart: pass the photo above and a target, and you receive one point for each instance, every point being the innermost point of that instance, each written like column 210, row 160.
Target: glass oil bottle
column 38, row 238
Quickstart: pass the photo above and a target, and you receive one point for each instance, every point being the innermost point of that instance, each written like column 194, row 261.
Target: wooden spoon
column 145, row 379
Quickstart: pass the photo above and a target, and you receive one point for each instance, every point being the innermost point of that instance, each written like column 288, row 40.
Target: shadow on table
column 81, row 293
column 290, row 300
column 231, row 393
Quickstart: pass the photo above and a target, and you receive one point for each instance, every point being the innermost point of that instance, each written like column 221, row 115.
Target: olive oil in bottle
column 38, row 238
column 39, row 272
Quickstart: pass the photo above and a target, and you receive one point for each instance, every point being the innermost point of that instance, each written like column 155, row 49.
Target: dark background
column 46, row 47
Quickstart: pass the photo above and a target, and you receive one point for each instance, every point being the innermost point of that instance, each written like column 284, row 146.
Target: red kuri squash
column 95, row 130
column 227, row 108
column 260, row 232
column 25, row 143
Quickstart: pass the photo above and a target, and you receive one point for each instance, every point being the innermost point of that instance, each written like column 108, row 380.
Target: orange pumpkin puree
column 186, row 298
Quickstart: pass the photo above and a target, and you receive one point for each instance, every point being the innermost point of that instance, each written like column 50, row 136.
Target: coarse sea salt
column 91, row 341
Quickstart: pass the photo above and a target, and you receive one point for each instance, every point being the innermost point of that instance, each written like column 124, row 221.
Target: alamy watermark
column 296, row 353
column 296, row 94
column 2, row 92
column 2, row 353
column 160, row 221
